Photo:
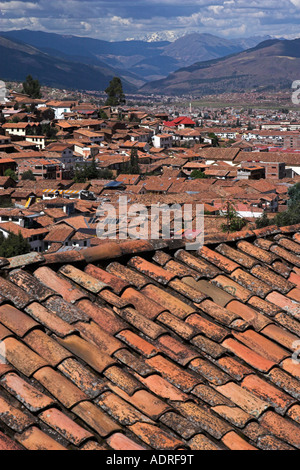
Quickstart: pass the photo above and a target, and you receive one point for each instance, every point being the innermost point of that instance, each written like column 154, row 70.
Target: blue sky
column 118, row 20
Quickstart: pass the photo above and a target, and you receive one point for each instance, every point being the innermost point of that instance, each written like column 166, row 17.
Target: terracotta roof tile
column 65, row 426
column 235, row 442
column 117, row 284
column 254, row 285
column 133, row 362
column 184, row 288
column 142, row 303
column 49, row 320
column 141, row 323
column 103, row 316
column 248, row 355
column 85, row 379
column 66, row 311
column 46, row 347
column 264, row 306
column 92, row 332
column 294, row 413
column 233, row 415
column 209, row 328
column 204, row 418
column 151, row 270
column 232, row 287
column 180, row 270
column 8, row 444
column 273, row 280
column 182, row 426
column 119, row 441
column 155, row 437
column 162, row 388
column 289, row 305
column 176, row 350
column 285, row 381
column 13, row 417
column 282, row 428
column 30, row 284
column 35, row 439
column 267, row 392
column 290, row 365
column 243, row 398
column 123, row 379
column 209, row 371
column 236, row 255
column 201, row 442
column 83, row 279
column 219, row 296
column 281, row 336
column 220, row 314
column 22, row 358
column 14, row 294
column 120, row 410
column 210, row 396
column 59, row 386
column 16, row 321
column 286, row 255
column 256, row 252
column 138, row 343
column 205, row 268
column 95, row 418
column 253, row 317
column 177, row 376
column 129, row 275
column 88, row 352
column 218, row 259
column 168, row 301
column 58, row 284
column 281, row 268
column 262, row 345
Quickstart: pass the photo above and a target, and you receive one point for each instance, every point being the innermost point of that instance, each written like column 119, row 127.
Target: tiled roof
column 146, row 345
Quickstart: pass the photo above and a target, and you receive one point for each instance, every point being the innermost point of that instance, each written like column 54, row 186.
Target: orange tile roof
column 146, row 345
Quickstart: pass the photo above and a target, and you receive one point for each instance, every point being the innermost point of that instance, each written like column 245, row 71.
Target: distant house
column 60, row 108
column 163, row 141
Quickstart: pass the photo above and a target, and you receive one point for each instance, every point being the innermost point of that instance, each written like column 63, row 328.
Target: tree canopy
column 115, row 94
column 13, row 245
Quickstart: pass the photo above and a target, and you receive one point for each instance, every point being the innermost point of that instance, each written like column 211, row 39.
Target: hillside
column 141, row 60
column 271, row 65
column 19, row 59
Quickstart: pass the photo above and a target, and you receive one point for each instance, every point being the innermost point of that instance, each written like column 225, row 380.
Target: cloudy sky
column 121, row 19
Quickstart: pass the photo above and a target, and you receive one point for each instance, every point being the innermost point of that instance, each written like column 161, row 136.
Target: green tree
column 11, row 174
column 102, row 114
column 214, row 139
column 198, row 174
column 294, row 194
column 28, row 175
column 234, row 223
column 32, row 87
column 13, row 245
column 115, row 94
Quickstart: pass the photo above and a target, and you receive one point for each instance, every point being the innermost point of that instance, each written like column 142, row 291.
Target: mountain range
column 192, row 64
column 136, row 61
